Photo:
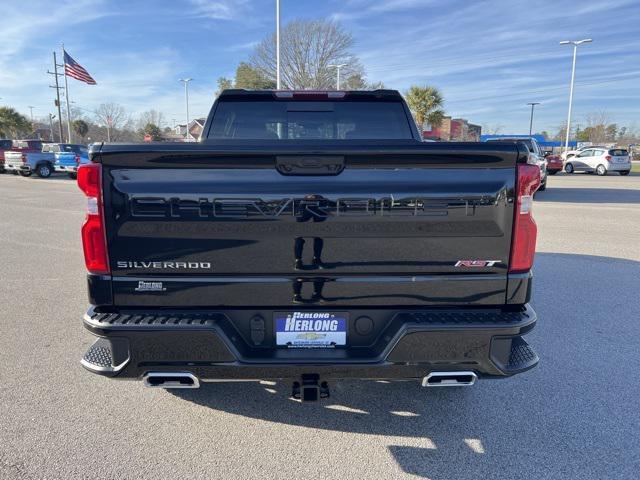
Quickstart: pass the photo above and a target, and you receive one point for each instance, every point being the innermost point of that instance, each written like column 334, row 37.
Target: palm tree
column 425, row 103
column 12, row 123
column 81, row 128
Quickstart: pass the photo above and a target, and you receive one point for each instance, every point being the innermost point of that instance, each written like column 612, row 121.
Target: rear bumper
column 16, row 167
column 214, row 346
column 65, row 168
column 617, row 167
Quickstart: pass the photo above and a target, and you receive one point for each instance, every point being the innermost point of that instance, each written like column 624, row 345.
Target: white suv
column 600, row 160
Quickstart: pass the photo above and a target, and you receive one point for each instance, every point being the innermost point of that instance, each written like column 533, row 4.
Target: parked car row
column 26, row 157
column 591, row 159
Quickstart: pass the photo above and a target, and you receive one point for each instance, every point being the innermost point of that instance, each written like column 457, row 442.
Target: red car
column 554, row 164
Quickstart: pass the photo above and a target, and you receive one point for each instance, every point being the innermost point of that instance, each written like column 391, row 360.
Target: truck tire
column 43, row 170
column 24, row 174
column 624, row 172
column 601, row 170
column 569, row 168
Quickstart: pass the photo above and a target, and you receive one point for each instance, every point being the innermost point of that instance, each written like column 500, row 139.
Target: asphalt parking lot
column 575, row 416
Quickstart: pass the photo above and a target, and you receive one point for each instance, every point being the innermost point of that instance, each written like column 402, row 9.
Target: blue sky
column 489, row 58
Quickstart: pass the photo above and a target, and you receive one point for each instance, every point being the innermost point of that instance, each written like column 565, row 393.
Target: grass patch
column 635, row 167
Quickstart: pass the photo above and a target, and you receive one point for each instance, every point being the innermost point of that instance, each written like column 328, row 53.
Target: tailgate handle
column 310, row 165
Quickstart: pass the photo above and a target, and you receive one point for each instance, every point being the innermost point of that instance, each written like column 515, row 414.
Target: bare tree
column 307, row 49
column 597, row 123
column 152, row 116
column 492, row 129
column 113, row 116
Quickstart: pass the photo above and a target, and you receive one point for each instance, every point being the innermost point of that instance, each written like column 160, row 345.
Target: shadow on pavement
column 588, row 195
column 572, row 416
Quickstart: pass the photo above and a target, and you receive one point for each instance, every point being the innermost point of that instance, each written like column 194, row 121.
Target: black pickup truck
column 309, row 237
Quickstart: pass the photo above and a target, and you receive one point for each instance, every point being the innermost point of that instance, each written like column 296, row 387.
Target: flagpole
column 55, row 73
column 66, row 89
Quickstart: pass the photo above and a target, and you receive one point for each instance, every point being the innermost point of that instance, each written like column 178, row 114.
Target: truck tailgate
column 353, row 225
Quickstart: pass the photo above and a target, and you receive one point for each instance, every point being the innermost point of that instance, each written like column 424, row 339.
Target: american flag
column 75, row 70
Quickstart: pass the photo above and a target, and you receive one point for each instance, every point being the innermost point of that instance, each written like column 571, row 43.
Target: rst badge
column 476, row 263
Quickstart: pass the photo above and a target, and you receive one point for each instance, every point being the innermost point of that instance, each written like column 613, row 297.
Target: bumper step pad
column 521, row 356
column 106, row 356
column 513, row 355
column 99, row 356
column 152, row 320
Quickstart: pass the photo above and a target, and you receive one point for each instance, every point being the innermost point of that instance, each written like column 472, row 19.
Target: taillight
column 523, row 245
column 94, row 242
column 608, row 158
column 77, row 159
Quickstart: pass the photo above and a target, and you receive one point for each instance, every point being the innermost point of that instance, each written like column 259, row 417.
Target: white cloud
column 490, row 58
column 25, row 22
column 220, row 9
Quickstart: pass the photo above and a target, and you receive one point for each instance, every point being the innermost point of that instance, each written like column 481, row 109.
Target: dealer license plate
column 311, row 329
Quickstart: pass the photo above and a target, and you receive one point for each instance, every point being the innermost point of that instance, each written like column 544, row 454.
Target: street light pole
column 51, row 117
column 533, row 104
column 186, row 101
column 338, row 67
column 575, row 44
column 278, row 84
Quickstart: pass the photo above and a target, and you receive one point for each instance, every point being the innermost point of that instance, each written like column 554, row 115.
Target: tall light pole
column 278, row 84
column 31, row 108
column 575, row 44
column 186, row 100
column 533, row 104
column 338, row 67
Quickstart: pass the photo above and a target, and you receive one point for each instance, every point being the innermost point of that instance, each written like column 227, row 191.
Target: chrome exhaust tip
column 449, row 379
column 171, row 380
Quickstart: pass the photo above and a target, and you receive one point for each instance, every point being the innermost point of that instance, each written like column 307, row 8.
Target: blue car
column 68, row 157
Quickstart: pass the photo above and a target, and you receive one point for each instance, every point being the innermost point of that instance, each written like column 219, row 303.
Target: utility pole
column 278, row 84
column 533, row 104
column 575, row 44
column 57, row 87
column 186, row 100
column 337, row 67
column 66, row 89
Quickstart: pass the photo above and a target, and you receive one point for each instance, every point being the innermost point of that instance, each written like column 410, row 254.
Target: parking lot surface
column 574, row 416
